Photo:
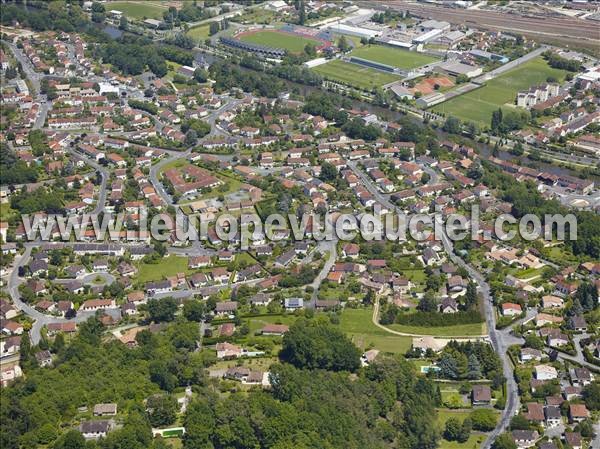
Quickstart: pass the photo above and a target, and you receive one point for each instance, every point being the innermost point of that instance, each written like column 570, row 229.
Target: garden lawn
column 478, row 105
column 448, row 331
column 357, row 324
column 354, row 75
column 138, row 10
column 278, row 39
column 168, row 266
column 394, row 57
column 474, row 442
column 258, row 322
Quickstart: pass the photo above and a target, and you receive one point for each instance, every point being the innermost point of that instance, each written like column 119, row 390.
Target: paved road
column 331, row 247
column 33, row 76
column 41, row 319
column 510, row 65
column 498, row 340
column 175, row 155
column 101, row 200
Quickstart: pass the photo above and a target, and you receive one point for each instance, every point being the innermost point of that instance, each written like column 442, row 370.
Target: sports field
column 276, row 39
column 395, row 57
column 138, row 10
column 355, row 75
column 199, row 33
column 478, row 105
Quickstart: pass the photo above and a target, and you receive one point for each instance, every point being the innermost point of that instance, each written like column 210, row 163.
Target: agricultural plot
column 402, row 59
column 277, row 39
column 478, row 105
column 355, row 75
column 138, row 10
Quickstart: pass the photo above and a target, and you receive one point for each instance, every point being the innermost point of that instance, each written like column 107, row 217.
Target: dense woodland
column 384, row 405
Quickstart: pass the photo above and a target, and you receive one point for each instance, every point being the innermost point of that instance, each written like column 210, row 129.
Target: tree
column 73, row 439
column 587, row 295
column 191, row 138
column 452, row 429
column 343, row 44
column 496, row 119
column 162, row 309
column 302, row 13
column 428, row 303
column 328, row 172
column 471, row 295
column 310, row 344
column 448, row 366
column 200, row 75
column 25, row 347
column 214, row 28
column 123, row 23
column 504, row 441
column 452, row 125
column 162, row 409
column 591, row 396
column 194, row 310
column 483, row 419
column 310, row 50
column 473, row 368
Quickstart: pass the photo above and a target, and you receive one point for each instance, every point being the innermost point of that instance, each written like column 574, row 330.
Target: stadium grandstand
column 373, row 64
column 254, row 48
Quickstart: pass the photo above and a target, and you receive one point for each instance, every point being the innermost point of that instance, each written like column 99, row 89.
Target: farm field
column 199, row 33
column 450, row 331
column 138, row 10
column 357, row 324
column 403, row 59
column 355, row 75
column 278, row 39
column 478, row 105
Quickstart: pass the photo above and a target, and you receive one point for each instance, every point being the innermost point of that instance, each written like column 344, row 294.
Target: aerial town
column 118, row 115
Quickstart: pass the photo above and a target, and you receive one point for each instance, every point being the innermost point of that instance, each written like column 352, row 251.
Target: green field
column 355, row 75
column 449, row 331
column 478, row 105
column 169, row 266
column 199, row 33
column 276, row 39
column 358, row 325
column 403, row 59
column 138, row 10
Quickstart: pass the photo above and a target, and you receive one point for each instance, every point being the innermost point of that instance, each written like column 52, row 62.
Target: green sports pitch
column 394, row 57
column 354, row 75
column 478, row 105
column 138, row 9
column 277, row 39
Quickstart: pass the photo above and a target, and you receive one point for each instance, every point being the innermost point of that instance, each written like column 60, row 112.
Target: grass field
column 451, row 331
column 357, row 324
column 478, row 105
column 403, row 59
column 169, row 266
column 355, row 75
column 199, row 33
column 276, row 39
column 138, row 10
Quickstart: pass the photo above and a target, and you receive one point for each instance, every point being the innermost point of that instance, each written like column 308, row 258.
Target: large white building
column 349, row 30
column 536, row 94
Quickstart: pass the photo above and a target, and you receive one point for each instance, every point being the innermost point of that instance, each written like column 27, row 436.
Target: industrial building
column 349, row 30
column 456, row 68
